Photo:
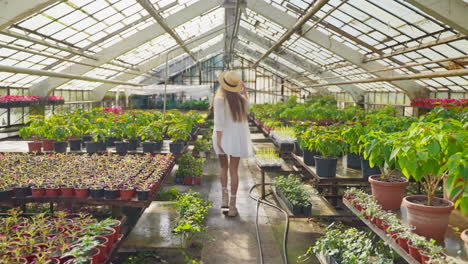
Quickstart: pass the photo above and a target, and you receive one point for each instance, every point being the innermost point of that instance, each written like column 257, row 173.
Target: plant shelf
column 394, row 245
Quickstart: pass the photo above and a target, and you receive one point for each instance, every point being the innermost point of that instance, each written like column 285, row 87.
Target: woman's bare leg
column 233, row 171
column 224, row 162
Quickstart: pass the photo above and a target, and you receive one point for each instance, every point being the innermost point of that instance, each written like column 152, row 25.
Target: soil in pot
column 176, row 146
column 96, row 193
column 325, row 167
column 60, row 146
column 309, row 157
column 111, row 194
column 127, row 195
column 48, row 144
column 388, row 194
column 354, row 161
column 429, row 221
column 367, row 171
column 34, row 146
column 75, row 144
column 142, row 195
column 132, row 144
column 121, row 147
column 149, row 146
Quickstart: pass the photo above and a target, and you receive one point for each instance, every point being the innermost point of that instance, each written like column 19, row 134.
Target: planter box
column 297, row 210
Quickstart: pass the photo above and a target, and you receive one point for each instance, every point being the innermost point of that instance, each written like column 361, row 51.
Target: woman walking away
column 231, row 134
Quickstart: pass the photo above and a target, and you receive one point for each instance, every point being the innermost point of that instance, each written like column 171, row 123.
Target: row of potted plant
column 62, row 238
column 420, row 248
column 25, row 100
column 431, row 103
column 100, row 129
column 83, row 176
column 190, row 170
column 295, row 194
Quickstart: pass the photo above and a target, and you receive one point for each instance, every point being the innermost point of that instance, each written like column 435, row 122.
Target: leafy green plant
column 327, row 141
column 190, row 166
column 377, row 148
column 351, row 246
column 154, row 131
column 457, row 180
column 293, row 189
column 425, row 151
column 202, row 145
column 178, row 132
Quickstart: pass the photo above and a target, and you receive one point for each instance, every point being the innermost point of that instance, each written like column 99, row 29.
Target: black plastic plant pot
column 111, row 194
column 354, row 161
column 75, row 144
column 93, row 147
column 297, row 209
column 297, row 149
column 86, row 138
column 96, row 193
column 132, row 144
column 149, row 146
column 325, row 167
column 179, row 180
column 60, row 146
column 286, row 147
column 309, row 157
column 5, row 195
column 367, row 171
column 110, row 141
column 21, row 192
column 121, row 147
column 142, row 195
column 307, row 210
column 159, row 145
column 176, row 146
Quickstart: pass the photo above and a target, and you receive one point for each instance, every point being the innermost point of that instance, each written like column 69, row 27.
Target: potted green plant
column 178, row 133
column 60, row 134
column 306, row 141
column 75, row 140
column 201, row 146
column 131, row 134
column 329, row 145
column 97, row 144
column 423, row 155
column 33, row 129
column 387, row 188
column 351, row 134
column 152, row 135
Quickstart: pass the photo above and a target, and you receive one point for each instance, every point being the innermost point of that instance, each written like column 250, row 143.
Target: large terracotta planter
column 429, row 221
column 388, row 194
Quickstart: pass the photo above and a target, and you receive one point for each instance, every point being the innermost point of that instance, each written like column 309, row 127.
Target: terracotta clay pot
column 127, row 195
column 48, row 144
column 414, row 252
column 429, row 221
column 388, row 194
column 403, row 243
column 34, row 146
column 37, row 192
column 67, row 191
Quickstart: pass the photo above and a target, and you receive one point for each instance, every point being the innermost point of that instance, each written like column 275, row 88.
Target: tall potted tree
column 387, row 188
column 423, row 155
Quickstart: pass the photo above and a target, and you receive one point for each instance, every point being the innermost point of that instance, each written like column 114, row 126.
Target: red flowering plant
column 431, row 103
column 115, row 110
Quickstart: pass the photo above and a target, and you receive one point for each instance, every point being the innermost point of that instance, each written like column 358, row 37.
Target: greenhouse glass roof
column 342, row 40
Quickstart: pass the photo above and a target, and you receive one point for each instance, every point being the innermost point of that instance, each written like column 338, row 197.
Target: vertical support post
column 262, row 190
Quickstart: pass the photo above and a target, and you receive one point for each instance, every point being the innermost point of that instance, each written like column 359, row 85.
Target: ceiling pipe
column 416, row 76
column 11, row 69
column 314, row 9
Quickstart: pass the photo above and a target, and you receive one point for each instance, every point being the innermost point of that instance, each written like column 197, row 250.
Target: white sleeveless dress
column 236, row 140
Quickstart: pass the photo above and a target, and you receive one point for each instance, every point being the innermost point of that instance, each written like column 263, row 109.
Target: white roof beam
column 356, row 92
column 162, row 22
column 451, row 12
column 16, row 10
column 127, row 44
column 147, row 66
column 412, row 89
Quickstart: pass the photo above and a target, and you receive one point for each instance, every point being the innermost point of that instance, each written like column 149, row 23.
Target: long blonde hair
column 237, row 104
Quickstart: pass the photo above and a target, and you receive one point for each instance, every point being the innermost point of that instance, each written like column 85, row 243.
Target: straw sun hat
column 230, row 81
